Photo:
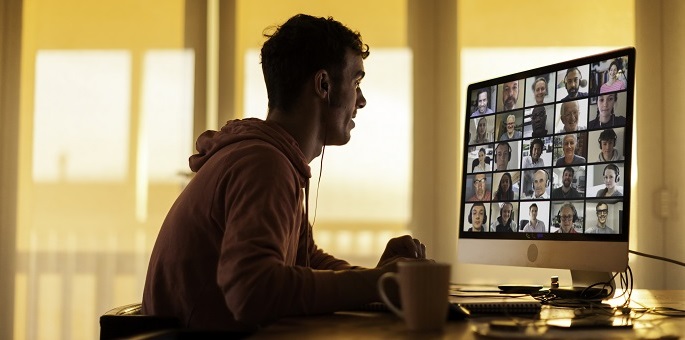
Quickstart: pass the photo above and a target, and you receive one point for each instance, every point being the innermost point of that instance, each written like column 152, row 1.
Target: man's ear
column 322, row 83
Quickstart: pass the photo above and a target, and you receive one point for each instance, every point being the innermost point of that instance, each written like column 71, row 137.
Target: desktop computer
column 546, row 168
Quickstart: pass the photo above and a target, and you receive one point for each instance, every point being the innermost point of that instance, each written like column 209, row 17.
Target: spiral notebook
column 496, row 303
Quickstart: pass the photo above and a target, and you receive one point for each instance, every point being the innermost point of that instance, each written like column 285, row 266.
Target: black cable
column 657, row 257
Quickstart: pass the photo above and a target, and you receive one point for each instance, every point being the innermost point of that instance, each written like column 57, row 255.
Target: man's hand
column 403, row 247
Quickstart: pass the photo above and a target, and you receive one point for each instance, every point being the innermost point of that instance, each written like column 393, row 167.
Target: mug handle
column 384, row 297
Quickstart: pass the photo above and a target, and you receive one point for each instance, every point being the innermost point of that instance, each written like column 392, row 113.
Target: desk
column 381, row 325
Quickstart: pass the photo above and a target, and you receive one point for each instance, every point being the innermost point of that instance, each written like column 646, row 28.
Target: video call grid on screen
column 548, row 152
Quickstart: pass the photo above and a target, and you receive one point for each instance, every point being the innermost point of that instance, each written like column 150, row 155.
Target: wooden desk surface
column 381, row 325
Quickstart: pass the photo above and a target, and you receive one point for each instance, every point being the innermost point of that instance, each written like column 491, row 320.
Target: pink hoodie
column 231, row 252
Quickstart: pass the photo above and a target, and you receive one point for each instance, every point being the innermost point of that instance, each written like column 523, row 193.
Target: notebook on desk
column 496, row 303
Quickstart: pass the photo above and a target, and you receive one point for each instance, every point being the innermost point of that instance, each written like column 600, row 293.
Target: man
column 478, row 217
column 505, row 222
column 538, row 120
column 570, row 112
column 534, row 160
column 502, row 155
column 236, row 249
column 602, row 210
column 607, row 142
column 510, row 95
column 511, row 132
column 569, row 147
column 573, row 80
column 534, row 225
column 540, row 181
column 567, row 216
column 480, row 188
column 483, row 98
column 566, row 190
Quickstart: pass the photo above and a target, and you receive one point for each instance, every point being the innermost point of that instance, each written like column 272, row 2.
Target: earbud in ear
column 324, row 86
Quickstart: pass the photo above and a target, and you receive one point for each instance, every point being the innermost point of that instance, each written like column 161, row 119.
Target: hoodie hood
column 210, row 142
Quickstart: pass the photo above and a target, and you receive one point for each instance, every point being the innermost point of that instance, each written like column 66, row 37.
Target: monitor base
column 588, row 285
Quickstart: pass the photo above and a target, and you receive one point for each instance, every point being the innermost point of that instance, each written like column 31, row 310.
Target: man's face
column 567, row 178
column 511, row 124
column 501, row 157
column 605, row 104
column 506, row 212
column 477, row 216
column 533, row 213
column 609, row 178
column 607, row 148
column 569, row 116
column 602, row 213
column 566, row 218
column 569, row 145
column 540, row 90
column 345, row 97
column 482, row 102
column 535, row 152
column 539, row 120
column 573, row 83
column 479, row 186
column 510, row 94
column 539, row 182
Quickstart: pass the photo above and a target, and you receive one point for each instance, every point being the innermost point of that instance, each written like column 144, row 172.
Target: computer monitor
column 546, row 168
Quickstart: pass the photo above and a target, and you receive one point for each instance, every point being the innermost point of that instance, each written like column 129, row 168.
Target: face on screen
column 482, row 102
column 533, row 212
column 566, row 216
column 482, row 124
column 569, row 145
column 607, row 148
column 572, row 82
column 539, row 119
column 535, row 151
column 539, row 182
column 602, row 213
column 511, row 124
column 540, row 91
column 610, row 178
column 505, row 183
column 479, row 184
column 510, row 94
column 605, row 105
column 502, row 156
column 477, row 216
column 506, row 212
column 567, row 178
column 569, row 115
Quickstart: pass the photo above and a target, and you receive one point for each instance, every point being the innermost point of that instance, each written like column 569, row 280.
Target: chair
column 475, row 162
column 127, row 321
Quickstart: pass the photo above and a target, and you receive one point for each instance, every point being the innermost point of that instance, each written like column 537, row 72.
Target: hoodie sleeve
column 262, row 212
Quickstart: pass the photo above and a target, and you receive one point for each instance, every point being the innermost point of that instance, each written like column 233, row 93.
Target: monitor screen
column 546, row 166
